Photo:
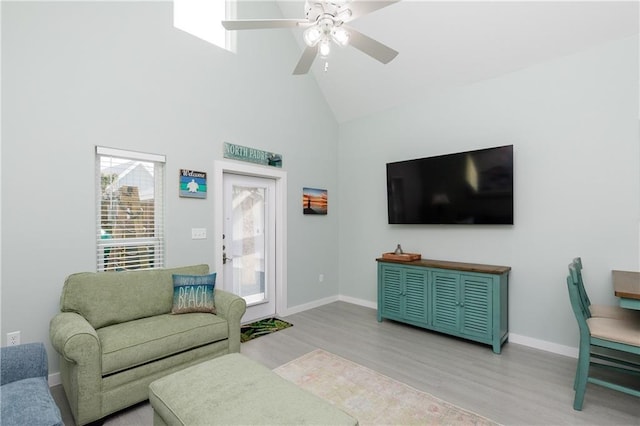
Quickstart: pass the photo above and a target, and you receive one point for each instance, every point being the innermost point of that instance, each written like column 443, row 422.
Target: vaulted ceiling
column 446, row 44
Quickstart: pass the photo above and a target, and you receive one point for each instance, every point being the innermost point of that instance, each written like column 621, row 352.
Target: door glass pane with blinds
column 130, row 227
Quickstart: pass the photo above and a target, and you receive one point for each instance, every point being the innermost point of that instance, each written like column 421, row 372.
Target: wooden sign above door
column 252, row 155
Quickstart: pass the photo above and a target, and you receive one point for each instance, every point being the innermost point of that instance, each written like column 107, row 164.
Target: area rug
column 371, row 397
column 262, row 328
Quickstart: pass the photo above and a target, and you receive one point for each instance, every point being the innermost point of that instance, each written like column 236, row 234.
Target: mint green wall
column 117, row 74
column 574, row 126
column 80, row 74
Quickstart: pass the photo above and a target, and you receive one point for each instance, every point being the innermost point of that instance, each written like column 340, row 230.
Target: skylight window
column 201, row 18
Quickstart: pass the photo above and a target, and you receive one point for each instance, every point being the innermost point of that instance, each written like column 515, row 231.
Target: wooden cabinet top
column 458, row 266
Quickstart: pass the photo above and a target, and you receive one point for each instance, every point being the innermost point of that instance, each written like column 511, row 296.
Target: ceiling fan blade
column 261, row 24
column 371, row 47
column 359, row 8
column 307, row 58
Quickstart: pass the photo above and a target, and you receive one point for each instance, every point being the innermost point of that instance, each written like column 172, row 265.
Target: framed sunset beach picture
column 314, row 201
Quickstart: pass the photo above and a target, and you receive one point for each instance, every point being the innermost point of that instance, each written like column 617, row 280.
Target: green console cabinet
column 462, row 299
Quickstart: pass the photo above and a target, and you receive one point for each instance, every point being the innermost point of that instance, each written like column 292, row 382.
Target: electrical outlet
column 320, row 278
column 13, row 338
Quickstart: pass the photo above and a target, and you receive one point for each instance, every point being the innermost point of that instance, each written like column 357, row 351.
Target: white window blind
column 130, row 210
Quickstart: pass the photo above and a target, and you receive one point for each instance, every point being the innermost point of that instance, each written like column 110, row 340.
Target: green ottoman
column 234, row 390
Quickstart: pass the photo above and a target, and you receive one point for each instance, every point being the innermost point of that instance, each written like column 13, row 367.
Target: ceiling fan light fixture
column 344, row 15
column 324, row 24
column 325, row 48
column 340, row 36
column 312, row 35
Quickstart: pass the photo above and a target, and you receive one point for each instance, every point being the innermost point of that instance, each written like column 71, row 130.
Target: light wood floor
column 521, row 386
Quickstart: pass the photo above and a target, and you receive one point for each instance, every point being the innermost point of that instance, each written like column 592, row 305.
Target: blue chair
column 614, row 341
column 24, row 390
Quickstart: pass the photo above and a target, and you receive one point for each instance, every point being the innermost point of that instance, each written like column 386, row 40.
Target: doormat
column 262, row 328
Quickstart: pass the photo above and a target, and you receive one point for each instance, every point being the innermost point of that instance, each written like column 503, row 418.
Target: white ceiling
column 451, row 43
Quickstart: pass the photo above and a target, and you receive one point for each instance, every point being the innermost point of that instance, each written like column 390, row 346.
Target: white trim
column 125, row 153
column 280, row 177
column 325, row 301
column 54, row 380
column 544, row 345
column 359, row 302
column 310, row 305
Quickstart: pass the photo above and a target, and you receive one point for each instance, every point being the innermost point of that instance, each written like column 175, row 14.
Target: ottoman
column 235, row 390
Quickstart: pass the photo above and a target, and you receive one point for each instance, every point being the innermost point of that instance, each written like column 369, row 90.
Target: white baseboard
column 326, row 301
column 543, row 345
column 54, row 379
column 359, row 302
column 307, row 306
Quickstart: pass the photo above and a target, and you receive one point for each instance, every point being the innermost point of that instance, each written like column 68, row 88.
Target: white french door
column 275, row 273
column 249, row 242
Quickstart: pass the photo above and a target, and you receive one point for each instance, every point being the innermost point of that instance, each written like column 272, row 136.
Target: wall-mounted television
column 473, row 187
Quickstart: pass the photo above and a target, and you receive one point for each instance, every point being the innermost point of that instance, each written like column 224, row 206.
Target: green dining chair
column 614, row 341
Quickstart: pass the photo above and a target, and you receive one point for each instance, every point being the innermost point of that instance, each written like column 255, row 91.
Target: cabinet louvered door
column 476, row 306
column 392, row 292
column 416, row 296
column 446, row 301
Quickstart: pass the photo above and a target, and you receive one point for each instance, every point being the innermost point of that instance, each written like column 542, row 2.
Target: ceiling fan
column 324, row 23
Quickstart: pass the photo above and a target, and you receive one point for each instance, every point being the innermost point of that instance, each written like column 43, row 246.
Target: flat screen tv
column 473, row 187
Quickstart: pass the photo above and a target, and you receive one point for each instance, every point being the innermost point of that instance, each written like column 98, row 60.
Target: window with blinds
column 130, row 210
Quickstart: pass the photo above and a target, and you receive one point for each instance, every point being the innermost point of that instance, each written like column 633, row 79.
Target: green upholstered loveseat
column 115, row 335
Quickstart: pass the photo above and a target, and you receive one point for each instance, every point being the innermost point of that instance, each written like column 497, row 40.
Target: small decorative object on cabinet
column 399, row 254
column 462, row 299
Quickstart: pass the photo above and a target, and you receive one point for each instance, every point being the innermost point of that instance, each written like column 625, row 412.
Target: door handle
column 224, row 254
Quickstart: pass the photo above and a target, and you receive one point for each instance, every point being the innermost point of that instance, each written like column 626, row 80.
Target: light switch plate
column 198, row 233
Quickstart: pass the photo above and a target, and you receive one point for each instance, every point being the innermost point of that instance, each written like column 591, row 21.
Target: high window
column 201, row 18
column 130, row 210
